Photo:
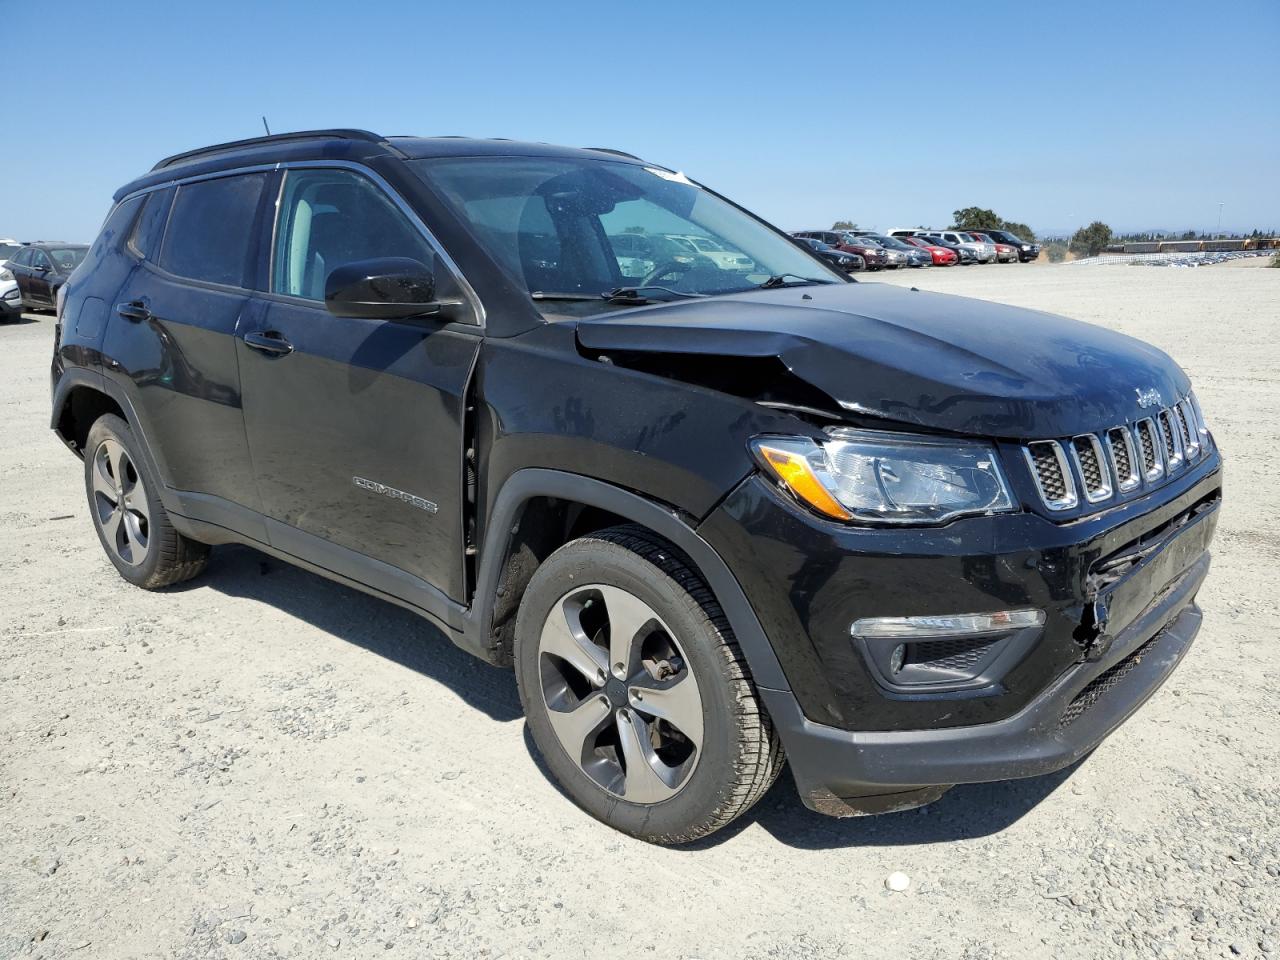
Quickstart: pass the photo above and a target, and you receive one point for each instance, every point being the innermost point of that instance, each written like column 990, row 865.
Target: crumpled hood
column 933, row 360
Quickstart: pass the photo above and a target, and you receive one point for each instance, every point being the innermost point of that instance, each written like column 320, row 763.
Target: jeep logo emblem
column 1147, row 398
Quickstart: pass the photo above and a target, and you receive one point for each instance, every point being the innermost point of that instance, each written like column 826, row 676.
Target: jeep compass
column 719, row 514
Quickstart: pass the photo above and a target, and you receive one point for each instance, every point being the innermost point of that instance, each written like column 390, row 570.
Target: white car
column 713, row 250
column 10, row 299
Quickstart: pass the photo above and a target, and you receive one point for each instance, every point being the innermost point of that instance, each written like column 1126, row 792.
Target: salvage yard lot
column 261, row 763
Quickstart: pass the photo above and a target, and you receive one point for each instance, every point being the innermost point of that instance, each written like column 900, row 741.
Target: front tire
column 132, row 524
column 636, row 692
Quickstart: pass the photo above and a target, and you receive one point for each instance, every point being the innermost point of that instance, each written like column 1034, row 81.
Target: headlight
column 869, row 477
column 1026, row 246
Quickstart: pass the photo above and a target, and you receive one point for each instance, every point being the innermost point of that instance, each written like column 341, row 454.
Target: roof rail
column 616, row 153
column 337, row 134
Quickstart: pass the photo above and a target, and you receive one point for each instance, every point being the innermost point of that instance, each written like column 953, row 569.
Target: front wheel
column 636, row 693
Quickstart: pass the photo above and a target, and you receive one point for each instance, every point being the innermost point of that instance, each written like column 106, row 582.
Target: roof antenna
column 265, row 127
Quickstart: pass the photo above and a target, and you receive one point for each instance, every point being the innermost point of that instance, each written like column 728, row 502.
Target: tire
column 739, row 755
column 140, row 541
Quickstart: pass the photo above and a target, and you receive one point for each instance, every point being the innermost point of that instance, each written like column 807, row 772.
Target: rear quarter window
column 210, row 231
column 149, row 228
column 116, row 226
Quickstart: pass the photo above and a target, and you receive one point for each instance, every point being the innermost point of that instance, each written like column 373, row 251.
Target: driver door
column 355, row 425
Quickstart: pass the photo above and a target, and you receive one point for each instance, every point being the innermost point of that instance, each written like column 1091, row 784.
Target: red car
column 942, row 256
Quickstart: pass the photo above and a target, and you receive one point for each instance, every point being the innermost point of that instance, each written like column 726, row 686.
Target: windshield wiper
column 790, row 280
column 633, row 295
column 543, row 295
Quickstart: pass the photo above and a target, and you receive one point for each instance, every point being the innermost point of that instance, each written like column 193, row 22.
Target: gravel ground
column 264, row 764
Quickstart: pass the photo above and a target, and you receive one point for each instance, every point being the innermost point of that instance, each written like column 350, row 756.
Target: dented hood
column 914, row 358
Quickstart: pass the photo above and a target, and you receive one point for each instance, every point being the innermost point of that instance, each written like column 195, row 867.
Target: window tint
column 118, row 223
column 40, row 259
column 210, row 232
column 145, row 241
column 23, row 258
column 332, row 217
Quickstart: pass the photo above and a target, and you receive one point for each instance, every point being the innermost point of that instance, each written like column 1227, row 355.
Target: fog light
column 954, row 625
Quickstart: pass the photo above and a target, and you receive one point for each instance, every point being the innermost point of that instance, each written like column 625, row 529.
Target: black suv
column 42, row 268
column 1026, row 251
column 716, row 516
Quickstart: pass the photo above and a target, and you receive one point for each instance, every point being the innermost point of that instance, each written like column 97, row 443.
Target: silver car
column 985, row 252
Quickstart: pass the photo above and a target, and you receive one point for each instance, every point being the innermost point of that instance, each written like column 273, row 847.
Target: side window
column 40, row 260
column 23, row 257
column 210, row 232
column 328, row 218
column 117, row 224
column 145, row 240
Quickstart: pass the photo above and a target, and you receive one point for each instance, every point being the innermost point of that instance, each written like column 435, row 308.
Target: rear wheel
column 635, row 690
column 133, row 526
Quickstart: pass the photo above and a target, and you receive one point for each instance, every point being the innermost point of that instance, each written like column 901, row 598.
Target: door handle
column 134, row 310
column 270, row 342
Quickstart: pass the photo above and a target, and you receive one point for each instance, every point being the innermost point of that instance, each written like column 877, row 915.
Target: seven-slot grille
column 1119, row 459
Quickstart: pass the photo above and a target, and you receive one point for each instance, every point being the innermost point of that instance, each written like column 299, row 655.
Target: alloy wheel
column 620, row 693
column 120, row 506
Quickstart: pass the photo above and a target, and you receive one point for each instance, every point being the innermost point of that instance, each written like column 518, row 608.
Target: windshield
column 892, row 242
column 7, row 250
column 581, row 228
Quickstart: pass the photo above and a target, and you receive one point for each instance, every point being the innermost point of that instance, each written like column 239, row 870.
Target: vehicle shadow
column 966, row 812
column 375, row 625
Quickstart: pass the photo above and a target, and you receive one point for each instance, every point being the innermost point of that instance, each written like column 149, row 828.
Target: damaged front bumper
column 1117, row 590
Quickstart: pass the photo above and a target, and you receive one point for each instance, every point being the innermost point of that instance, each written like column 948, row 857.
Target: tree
column 844, row 225
column 1091, row 240
column 977, row 218
column 1019, row 230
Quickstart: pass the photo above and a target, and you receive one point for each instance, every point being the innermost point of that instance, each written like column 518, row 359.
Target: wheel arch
column 538, row 510
column 80, row 397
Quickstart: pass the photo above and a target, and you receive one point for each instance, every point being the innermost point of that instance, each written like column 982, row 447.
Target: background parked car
column 984, row 252
column 1026, row 251
column 942, row 256
column 714, row 251
column 41, row 268
column 10, row 298
column 848, row 262
column 964, row 252
column 907, row 255
column 872, row 254
column 1004, row 252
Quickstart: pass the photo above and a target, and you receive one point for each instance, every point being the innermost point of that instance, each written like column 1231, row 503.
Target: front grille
column 1172, row 449
column 1093, row 470
column 1190, row 432
column 1152, row 464
column 1102, row 684
column 1122, row 459
column 1052, row 475
column 1120, row 444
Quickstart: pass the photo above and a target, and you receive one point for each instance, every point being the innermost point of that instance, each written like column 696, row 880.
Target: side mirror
column 386, row 288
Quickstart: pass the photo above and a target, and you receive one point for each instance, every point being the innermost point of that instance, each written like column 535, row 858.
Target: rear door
column 355, row 425
column 171, row 336
column 20, row 267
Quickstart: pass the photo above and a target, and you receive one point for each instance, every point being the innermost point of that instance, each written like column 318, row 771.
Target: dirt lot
column 263, row 764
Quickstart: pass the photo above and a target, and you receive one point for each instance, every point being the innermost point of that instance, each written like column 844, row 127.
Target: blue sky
column 1142, row 114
